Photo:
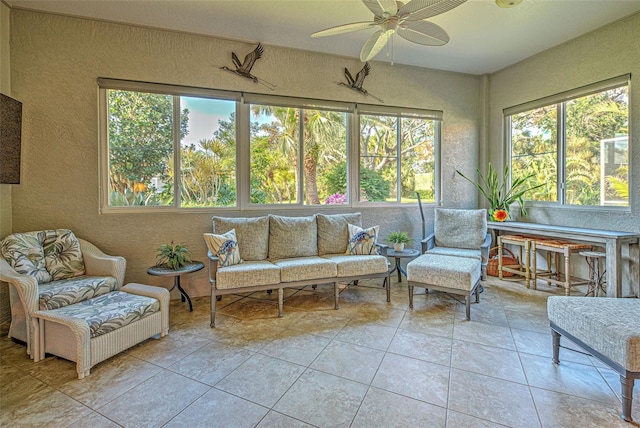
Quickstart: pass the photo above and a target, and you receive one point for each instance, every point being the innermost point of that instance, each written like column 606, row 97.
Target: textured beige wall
column 608, row 52
column 56, row 60
column 5, row 189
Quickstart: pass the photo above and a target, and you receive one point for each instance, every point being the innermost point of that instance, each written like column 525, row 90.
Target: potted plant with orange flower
column 499, row 197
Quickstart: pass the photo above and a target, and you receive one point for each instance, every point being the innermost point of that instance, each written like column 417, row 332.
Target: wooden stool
column 557, row 247
column 523, row 267
column 596, row 278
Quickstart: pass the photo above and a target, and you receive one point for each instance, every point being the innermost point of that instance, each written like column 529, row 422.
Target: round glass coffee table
column 398, row 255
column 163, row 270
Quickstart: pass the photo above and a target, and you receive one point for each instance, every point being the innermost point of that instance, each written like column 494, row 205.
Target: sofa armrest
column 98, row 263
column 25, row 285
column 428, row 243
column 213, row 267
column 382, row 249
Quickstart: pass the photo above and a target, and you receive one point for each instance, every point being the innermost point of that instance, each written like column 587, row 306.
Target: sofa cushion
column 333, row 232
column 224, row 247
column 457, row 252
column 362, row 241
column 247, row 274
column 111, row 311
column 292, row 237
column 305, row 268
column 25, row 254
column 460, row 228
column 64, row 292
column 252, row 234
column 62, row 254
column 351, row 265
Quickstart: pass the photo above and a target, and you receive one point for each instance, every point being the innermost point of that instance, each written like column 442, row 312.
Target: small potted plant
column 173, row 256
column 398, row 239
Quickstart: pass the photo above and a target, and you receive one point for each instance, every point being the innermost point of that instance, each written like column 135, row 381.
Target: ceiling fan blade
column 374, row 44
column 380, row 7
column 417, row 10
column 346, row 28
column 424, row 33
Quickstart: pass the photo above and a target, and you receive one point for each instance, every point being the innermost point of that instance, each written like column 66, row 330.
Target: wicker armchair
column 50, row 269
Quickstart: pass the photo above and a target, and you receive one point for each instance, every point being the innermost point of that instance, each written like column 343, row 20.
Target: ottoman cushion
column 610, row 326
column 444, row 271
column 111, row 311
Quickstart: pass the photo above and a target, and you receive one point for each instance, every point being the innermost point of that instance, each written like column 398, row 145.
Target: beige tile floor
column 369, row 364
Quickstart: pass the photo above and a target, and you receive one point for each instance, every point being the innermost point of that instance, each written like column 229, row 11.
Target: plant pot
column 398, row 247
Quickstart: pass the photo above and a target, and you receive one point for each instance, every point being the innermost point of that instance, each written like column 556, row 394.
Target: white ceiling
column 484, row 37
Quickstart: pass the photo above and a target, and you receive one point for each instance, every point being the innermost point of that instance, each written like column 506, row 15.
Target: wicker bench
column 607, row 328
column 93, row 330
column 450, row 274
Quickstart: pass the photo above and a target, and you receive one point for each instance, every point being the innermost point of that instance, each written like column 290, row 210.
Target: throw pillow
column 224, row 247
column 362, row 241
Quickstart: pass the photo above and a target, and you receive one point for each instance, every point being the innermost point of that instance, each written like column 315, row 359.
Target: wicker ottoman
column 96, row 329
column 607, row 328
column 451, row 274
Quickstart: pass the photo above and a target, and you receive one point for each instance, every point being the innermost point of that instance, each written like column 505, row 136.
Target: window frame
column 560, row 100
column 243, row 101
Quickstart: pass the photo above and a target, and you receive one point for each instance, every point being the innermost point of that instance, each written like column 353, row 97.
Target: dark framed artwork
column 10, row 139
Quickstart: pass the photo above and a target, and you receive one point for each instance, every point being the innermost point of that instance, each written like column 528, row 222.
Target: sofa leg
column 410, row 296
column 214, row 298
column 467, row 304
column 627, row 397
column 280, row 301
column 555, row 338
column 387, row 283
column 336, row 294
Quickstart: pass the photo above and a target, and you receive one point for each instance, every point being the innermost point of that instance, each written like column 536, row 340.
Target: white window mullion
column 562, row 153
column 176, row 151
column 301, row 183
column 353, row 162
column 243, row 155
column 398, row 159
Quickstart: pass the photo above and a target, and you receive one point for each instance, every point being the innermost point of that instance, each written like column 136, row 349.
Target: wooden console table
column 612, row 241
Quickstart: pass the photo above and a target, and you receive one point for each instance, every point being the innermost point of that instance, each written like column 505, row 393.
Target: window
column 576, row 144
column 170, row 147
column 298, row 154
column 397, row 158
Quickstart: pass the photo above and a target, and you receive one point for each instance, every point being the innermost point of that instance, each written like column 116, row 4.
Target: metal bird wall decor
column 356, row 84
column 244, row 69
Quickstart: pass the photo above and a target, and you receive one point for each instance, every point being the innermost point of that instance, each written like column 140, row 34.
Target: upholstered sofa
column 275, row 252
column 50, row 269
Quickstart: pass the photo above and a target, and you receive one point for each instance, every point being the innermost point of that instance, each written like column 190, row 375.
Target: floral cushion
column 111, row 311
column 64, row 292
column 24, row 253
column 224, row 247
column 362, row 241
column 62, row 254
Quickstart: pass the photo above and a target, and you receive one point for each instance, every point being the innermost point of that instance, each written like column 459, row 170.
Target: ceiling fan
column 407, row 20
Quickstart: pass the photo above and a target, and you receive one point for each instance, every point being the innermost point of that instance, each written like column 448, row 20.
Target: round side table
column 163, row 270
column 397, row 255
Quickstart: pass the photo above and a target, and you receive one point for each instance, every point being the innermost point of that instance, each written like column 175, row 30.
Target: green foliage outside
column 590, row 121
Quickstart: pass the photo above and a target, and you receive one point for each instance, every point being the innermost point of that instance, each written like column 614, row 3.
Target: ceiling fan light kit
column 406, row 20
column 508, row 3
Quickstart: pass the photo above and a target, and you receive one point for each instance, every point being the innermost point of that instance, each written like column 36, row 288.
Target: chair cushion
column 252, row 235
column 333, row 232
column 111, row 311
column 362, row 241
column 292, row 237
column 305, row 268
column 610, row 326
column 64, row 292
column 457, row 252
column 25, row 254
column 247, row 274
column 224, row 247
column 353, row 265
column 62, row 254
column 460, row 228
